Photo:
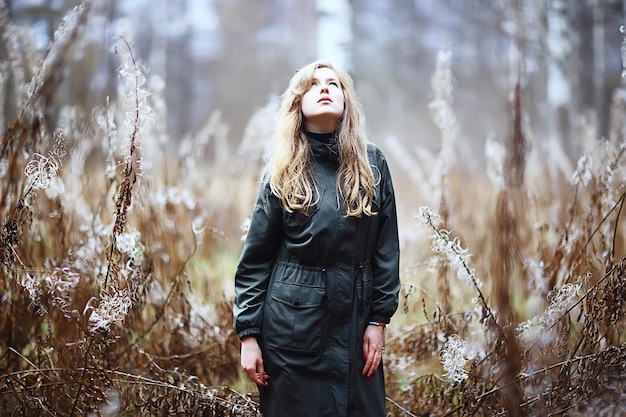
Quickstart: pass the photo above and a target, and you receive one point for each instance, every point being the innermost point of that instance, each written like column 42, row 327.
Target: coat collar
column 324, row 146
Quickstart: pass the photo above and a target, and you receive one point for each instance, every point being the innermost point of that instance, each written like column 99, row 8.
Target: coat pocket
column 294, row 313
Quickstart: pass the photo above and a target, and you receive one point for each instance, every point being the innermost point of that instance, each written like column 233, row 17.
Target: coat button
column 296, row 303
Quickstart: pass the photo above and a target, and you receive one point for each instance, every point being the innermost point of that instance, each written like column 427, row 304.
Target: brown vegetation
column 117, row 260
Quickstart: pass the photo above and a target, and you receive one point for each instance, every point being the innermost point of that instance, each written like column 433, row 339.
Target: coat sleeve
column 256, row 262
column 386, row 254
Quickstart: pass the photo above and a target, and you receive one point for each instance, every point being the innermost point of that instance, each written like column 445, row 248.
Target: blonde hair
column 291, row 177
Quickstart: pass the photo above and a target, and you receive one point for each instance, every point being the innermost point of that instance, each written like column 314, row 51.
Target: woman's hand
column 252, row 360
column 373, row 347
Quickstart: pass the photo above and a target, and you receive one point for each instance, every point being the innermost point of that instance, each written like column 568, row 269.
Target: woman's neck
column 320, row 126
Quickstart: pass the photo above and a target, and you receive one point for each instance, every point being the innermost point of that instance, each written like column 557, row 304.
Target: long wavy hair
column 291, row 177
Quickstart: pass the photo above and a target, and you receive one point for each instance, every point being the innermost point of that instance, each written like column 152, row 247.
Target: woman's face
column 323, row 104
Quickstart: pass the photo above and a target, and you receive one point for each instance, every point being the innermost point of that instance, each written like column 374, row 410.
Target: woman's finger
column 252, row 361
column 373, row 360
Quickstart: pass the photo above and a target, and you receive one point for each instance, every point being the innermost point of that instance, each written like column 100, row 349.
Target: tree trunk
column 599, row 68
column 334, row 32
column 559, row 86
column 158, row 49
column 623, row 31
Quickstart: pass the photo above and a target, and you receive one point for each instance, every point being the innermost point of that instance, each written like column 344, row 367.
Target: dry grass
column 117, row 260
column 530, row 323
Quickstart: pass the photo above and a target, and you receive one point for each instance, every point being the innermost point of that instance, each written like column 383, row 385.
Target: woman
column 318, row 277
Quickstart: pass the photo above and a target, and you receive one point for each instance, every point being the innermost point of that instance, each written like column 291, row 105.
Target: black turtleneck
column 323, row 146
column 320, row 137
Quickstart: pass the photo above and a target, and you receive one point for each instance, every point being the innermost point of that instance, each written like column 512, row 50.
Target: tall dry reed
column 98, row 317
column 536, row 323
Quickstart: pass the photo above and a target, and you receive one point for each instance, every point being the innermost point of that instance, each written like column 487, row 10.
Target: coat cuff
column 253, row 331
column 380, row 319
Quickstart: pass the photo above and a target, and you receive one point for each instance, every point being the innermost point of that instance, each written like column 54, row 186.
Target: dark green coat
column 306, row 287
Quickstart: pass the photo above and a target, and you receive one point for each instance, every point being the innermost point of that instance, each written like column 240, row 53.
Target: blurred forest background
column 233, row 56
column 133, row 137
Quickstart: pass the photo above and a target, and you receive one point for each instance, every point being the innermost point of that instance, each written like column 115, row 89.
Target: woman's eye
column 334, row 83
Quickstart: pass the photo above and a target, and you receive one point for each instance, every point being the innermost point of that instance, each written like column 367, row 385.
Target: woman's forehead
column 325, row 73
